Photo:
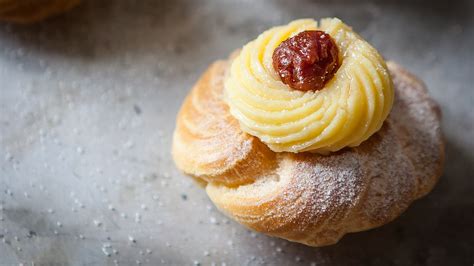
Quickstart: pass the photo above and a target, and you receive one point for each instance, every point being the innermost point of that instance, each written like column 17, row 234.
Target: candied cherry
column 307, row 60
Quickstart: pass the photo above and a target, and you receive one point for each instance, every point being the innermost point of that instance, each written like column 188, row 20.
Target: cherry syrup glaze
column 307, row 60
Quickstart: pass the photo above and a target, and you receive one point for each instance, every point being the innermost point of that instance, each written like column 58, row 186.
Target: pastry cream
column 345, row 112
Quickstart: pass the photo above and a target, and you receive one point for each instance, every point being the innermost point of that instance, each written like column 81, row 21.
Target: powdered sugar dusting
column 311, row 198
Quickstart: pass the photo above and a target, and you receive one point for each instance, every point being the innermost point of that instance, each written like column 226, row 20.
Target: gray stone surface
column 87, row 108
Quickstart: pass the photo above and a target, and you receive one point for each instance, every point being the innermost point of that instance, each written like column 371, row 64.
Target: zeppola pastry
column 29, row 11
column 307, row 134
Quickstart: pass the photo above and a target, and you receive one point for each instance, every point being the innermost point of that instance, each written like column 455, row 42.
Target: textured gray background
column 88, row 102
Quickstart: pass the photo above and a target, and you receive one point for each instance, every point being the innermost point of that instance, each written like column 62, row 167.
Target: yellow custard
column 346, row 111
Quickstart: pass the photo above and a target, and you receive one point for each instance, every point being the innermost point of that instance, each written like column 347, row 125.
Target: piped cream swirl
column 348, row 110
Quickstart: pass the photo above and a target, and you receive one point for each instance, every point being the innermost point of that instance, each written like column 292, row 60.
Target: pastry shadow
column 434, row 230
column 108, row 29
column 175, row 31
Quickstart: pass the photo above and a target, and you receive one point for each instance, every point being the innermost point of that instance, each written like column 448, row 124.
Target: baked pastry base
column 304, row 197
column 30, row 11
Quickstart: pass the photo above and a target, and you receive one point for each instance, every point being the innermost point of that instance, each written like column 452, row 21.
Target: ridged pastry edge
column 355, row 200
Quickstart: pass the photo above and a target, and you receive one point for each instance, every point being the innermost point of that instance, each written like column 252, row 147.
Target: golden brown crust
column 309, row 198
column 203, row 121
column 29, row 11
